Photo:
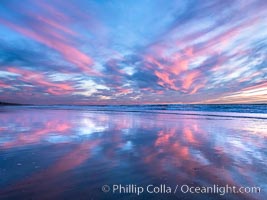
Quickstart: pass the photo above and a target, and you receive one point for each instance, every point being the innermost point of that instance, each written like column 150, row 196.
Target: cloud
column 39, row 80
column 88, row 87
column 156, row 52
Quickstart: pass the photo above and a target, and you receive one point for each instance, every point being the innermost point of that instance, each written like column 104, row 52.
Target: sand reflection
column 78, row 151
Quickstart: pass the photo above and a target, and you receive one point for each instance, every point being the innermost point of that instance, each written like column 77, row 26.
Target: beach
column 72, row 152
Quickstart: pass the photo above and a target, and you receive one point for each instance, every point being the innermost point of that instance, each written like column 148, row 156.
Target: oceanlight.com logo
column 186, row 189
column 216, row 189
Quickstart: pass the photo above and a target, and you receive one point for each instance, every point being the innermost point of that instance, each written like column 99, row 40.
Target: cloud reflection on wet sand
column 55, row 154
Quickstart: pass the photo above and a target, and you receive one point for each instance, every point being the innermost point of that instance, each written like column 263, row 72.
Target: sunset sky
column 133, row 51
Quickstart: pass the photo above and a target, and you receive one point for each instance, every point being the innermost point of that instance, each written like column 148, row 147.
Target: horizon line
column 140, row 104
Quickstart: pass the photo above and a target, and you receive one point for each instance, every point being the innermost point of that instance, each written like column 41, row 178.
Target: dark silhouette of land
column 9, row 104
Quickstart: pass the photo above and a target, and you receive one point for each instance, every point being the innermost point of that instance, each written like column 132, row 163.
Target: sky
column 133, row 51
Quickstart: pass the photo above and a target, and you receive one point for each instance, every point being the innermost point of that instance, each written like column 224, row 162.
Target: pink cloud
column 189, row 79
column 47, row 36
column 179, row 65
column 165, row 80
column 197, row 87
column 3, row 85
column 39, row 79
column 255, row 87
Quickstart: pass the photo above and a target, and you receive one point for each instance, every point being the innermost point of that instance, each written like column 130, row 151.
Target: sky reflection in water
column 70, row 154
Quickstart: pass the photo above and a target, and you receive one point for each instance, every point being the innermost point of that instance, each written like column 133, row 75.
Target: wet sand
column 71, row 154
